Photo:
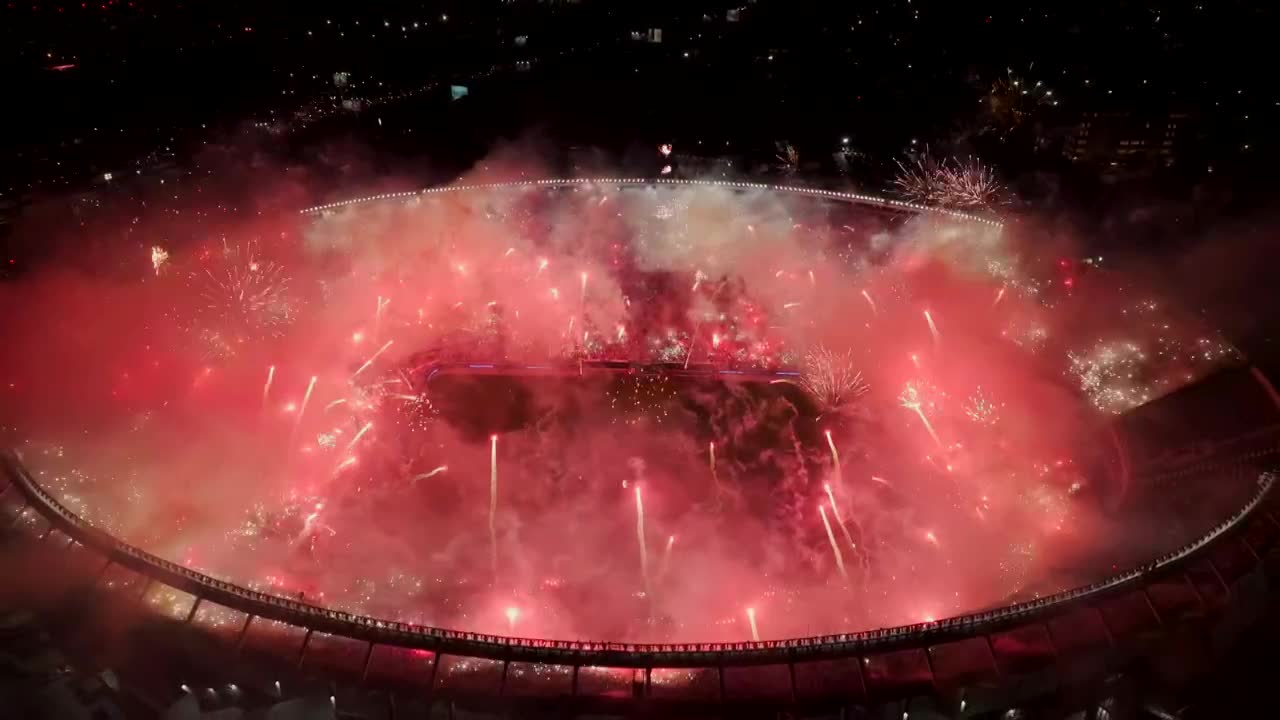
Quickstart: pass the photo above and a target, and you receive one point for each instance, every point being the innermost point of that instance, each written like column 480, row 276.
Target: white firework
column 949, row 183
column 831, row 379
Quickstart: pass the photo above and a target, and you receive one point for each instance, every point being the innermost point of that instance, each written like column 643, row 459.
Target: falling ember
column 870, row 302
column 711, row 462
column 933, row 328
column 812, row 279
column 698, row 277
column 372, row 357
column 835, row 460
column 999, row 296
column 493, row 502
column 159, row 256
column 933, row 539
column 583, row 296
column 513, row 614
column 542, row 265
column 644, row 550
column 832, row 538
column 915, row 360
column 266, row 389
column 751, row 618
column 622, row 333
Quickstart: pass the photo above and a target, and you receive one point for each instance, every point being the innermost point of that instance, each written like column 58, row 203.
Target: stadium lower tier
column 180, row 644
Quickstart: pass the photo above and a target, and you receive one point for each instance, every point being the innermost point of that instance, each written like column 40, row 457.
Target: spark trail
column 302, row 410
column 692, row 339
column 910, row 400
column 644, row 549
column 372, row 357
column 367, row 427
column 377, row 316
column 751, row 618
column 870, row 302
column 429, row 475
column 266, row 388
column 831, row 537
column 835, row 510
column 493, row 503
column 835, row 461
column 711, row 462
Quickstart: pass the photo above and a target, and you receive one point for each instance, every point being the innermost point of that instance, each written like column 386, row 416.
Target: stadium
column 1187, row 459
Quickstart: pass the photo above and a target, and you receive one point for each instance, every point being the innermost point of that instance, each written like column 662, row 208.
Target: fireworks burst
column 1012, row 100
column 1110, row 375
column 377, row 433
column 949, row 183
column 251, row 298
column 980, row 409
column 788, row 158
column 159, row 258
column 831, row 380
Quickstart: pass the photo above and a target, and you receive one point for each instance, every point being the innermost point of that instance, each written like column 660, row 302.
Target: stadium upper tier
column 819, row 193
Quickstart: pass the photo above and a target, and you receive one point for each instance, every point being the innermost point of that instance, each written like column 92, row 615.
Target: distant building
column 1129, row 139
column 708, row 166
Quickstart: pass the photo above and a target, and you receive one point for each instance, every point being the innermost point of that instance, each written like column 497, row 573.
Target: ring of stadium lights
column 850, row 197
column 577, row 652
